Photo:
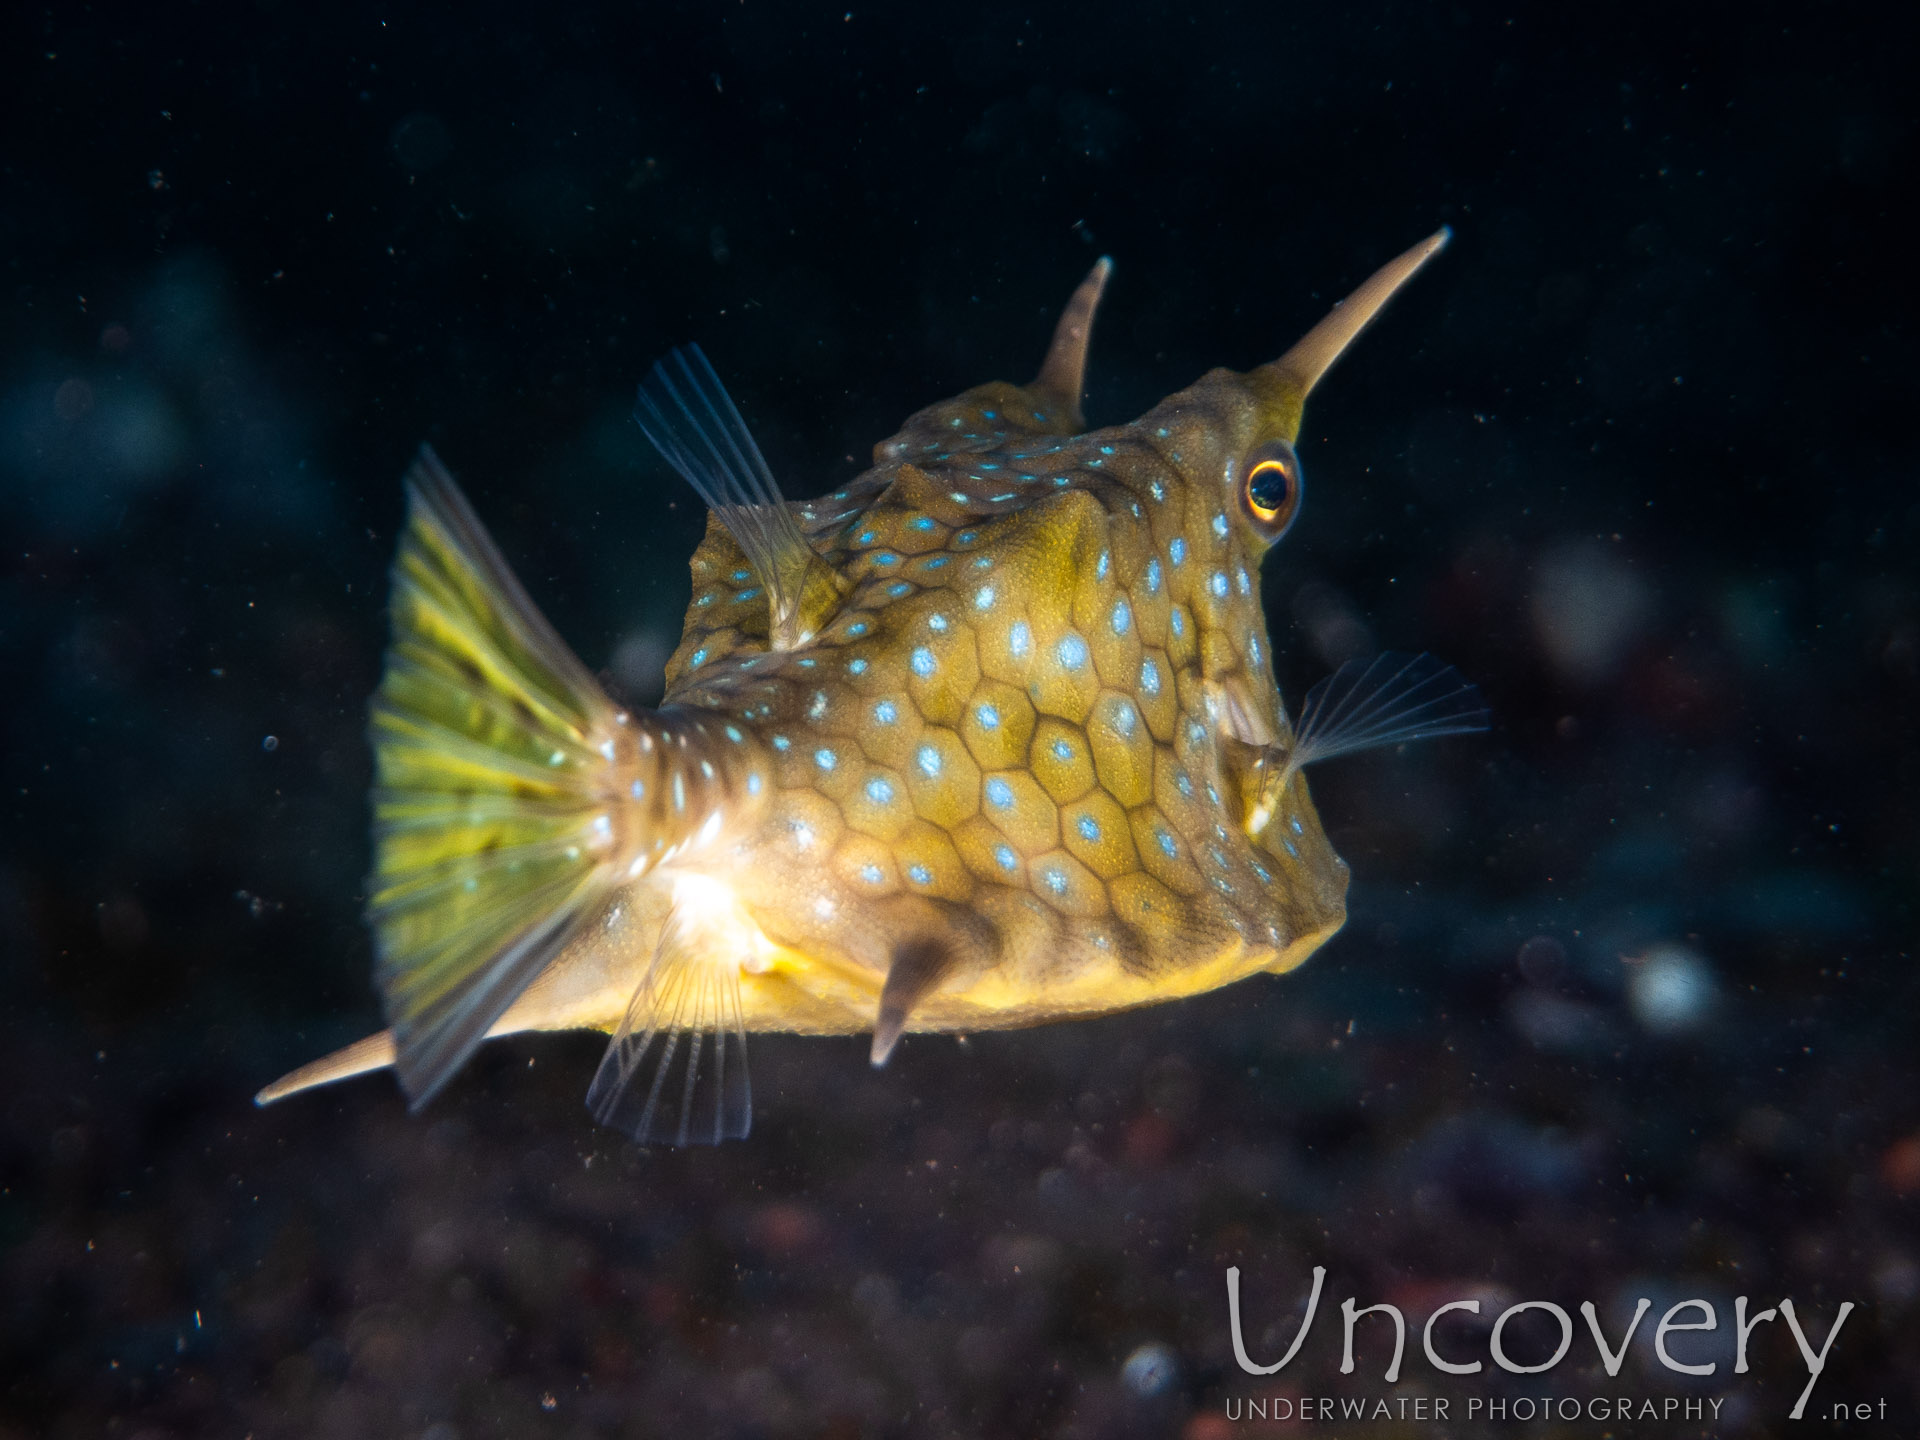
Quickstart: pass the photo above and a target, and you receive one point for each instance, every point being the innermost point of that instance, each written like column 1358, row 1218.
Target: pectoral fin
column 1389, row 700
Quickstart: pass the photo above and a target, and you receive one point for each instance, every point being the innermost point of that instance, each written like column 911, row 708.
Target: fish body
column 988, row 738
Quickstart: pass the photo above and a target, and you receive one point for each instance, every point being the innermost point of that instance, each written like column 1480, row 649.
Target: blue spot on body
column 1088, row 827
column 1177, row 549
column 825, row 759
column 922, row 661
column 753, row 783
column 1122, row 617
column 988, row 717
column 899, row 587
column 920, row 875
column 698, row 657
column 921, row 522
column 880, row 791
column 780, row 742
column 871, row 874
column 1071, row 651
column 885, row 713
column 999, row 793
column 1003, row 856
column 1167, row 846
column 1056, row 879
column 856, row 667
column 936, row 562
column 1153, row 577
column 1019, row 640
column 929, row 761
column 1149, row 676
column 1219, row 585
column 865, row 537
column 1062, row 750
column 859, row 627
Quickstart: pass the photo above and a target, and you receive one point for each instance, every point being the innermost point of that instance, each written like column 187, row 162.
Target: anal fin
column 675, row 1072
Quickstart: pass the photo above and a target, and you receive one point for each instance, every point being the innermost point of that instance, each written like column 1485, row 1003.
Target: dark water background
column 1626, row 1004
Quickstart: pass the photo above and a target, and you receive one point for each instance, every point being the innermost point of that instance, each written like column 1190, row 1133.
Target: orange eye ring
column 1270, row 491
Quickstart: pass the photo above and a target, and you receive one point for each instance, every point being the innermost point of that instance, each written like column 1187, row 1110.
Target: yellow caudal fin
column 500, row 768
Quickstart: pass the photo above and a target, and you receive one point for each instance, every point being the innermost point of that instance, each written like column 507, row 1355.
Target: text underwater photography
column 1093, row 721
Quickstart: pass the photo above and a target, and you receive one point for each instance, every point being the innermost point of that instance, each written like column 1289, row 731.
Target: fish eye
column 1270, row 489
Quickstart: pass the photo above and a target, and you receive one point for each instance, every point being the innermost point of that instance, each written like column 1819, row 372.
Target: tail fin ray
column 494, row 810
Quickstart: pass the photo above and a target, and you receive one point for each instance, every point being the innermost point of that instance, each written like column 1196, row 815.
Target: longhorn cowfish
column 988, row 738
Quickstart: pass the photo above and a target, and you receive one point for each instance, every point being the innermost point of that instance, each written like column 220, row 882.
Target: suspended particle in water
column 1150, row 1370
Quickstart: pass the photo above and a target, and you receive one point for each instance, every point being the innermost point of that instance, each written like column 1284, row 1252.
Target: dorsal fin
column 691, row 420
column 1063, row 376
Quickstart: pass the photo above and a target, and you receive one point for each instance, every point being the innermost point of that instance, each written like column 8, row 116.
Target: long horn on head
column 1063, row 377
column 1303, row 365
